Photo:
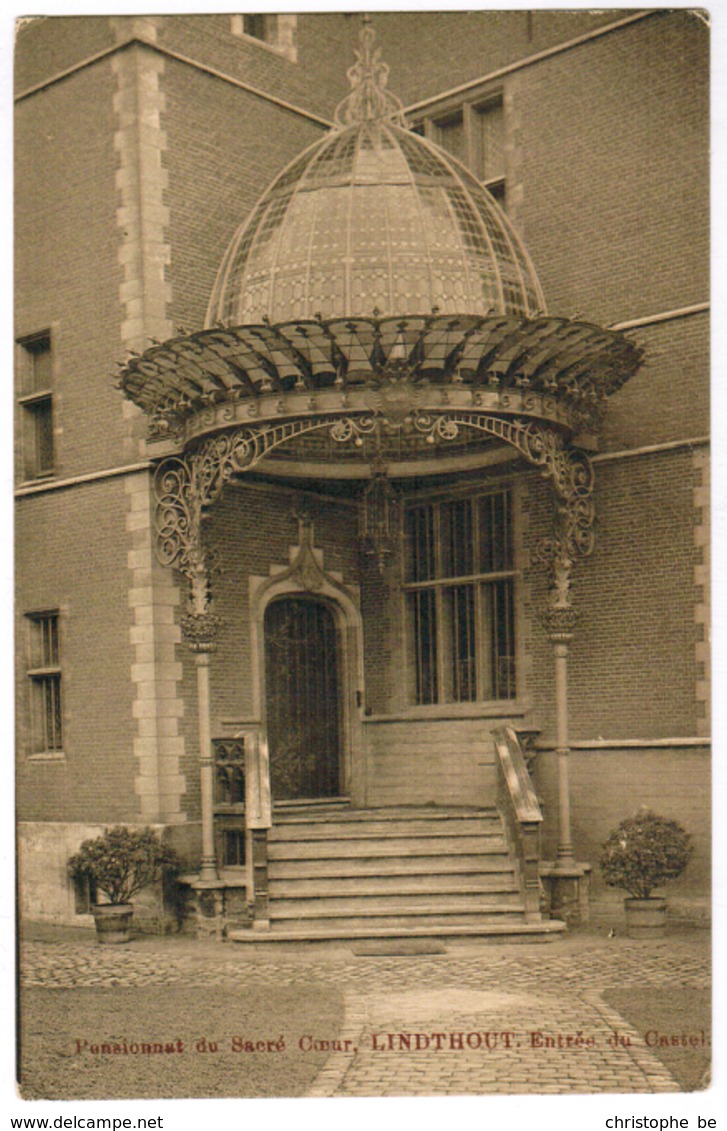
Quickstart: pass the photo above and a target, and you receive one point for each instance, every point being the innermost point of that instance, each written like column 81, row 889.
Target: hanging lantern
column 379, row 518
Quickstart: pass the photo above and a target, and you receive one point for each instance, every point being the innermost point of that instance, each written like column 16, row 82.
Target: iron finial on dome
column 368, row 100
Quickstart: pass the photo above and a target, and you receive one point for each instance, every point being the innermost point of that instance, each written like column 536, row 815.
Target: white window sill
column 510, row 708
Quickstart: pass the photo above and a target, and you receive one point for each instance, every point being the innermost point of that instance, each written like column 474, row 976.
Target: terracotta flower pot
column 113, row 922
column 645, row 918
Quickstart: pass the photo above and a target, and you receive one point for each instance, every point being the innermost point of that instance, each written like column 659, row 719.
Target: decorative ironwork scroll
column 186, row 486
column 570, row 472
column 368, row 99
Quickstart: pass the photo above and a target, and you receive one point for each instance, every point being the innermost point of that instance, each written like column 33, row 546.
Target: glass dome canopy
column 377, row 290
column 374, row 219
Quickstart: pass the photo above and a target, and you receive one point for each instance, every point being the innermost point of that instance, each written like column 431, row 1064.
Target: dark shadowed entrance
column 303, row 698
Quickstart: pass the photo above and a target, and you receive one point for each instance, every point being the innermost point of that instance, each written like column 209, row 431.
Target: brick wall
column 632, row 669
column 668, row 399
column 75, row 542
column 67, row 272
column 672, row 781
column 45, row 47
column 438, row 761
column 433, row 51
column 615, row 170
column 224, row 147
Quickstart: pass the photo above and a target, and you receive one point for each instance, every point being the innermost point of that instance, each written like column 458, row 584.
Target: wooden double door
column 303, row 698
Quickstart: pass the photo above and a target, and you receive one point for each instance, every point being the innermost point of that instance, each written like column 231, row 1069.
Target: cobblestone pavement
column 488, row 1020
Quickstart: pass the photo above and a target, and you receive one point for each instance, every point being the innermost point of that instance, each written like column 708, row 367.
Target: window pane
column 502, row 640
column 450, row 135
column 255, row 25
column 458, row 610
column 47, row 732
column 420, row 539
column 457, row 544
column 495, row 532
column 489, row 123
column 234, row 848
column 422, row 609
column 37, row 364
column 46, row 715
column 42, row 413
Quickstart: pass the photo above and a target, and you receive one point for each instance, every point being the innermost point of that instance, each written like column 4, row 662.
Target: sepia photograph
column 362, row 554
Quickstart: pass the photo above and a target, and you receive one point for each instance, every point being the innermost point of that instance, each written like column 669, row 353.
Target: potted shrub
column 119, row 864
column 642, row 854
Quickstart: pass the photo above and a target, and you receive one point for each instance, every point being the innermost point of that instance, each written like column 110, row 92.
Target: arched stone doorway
column 303, row 698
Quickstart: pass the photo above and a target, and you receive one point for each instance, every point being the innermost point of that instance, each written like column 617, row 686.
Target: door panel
column 303, row 698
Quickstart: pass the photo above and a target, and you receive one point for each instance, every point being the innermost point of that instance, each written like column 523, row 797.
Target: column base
column 216, row 905
column 567, row 889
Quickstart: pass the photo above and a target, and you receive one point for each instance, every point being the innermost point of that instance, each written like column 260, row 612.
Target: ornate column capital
column 200, row 631
column 560, row 624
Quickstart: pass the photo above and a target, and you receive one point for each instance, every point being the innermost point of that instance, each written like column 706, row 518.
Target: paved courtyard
column 586, row 1014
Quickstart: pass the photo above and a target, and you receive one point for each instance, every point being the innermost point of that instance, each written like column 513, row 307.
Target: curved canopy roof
column 373, row 219
column 375, row 286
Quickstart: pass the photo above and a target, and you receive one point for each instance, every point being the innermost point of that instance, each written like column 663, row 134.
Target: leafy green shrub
column 644, row 852
column 123, row 861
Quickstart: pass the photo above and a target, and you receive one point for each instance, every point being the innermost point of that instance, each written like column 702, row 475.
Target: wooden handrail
column 522, row 814
column 515, row 772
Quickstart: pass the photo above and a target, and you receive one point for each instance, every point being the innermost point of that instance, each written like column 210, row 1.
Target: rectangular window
column 474, row 134
column 44, row 676
column 488, row 147
column 36, row 401
column 259, row 26
column 450, row 135
column 85, row 895
column 459, row 592
column 234, row 848
column 277, row 32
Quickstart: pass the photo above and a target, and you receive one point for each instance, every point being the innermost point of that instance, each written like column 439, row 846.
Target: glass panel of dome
column 420, row 158
column 370, row 291
column 435, row 216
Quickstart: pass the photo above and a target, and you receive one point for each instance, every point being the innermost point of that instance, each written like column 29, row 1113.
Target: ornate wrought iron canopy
column 393, row 369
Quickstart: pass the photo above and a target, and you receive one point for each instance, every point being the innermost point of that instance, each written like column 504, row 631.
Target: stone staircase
column 339, row 873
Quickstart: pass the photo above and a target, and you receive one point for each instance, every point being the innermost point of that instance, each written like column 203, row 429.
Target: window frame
column 435, row 119
column 40, row 677
column 282, row 43
column 37, row 407
column 439, row 584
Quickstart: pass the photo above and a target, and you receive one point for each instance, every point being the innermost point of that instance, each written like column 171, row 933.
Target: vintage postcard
column 362, row 555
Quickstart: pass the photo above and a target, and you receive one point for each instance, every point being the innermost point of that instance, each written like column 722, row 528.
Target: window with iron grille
column 44, row 676
column 459, row 593
column 36, row 401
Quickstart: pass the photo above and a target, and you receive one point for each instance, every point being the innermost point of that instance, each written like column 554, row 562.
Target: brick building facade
column 142, row 144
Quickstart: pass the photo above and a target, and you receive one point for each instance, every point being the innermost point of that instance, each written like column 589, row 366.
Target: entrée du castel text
column 490, row 1039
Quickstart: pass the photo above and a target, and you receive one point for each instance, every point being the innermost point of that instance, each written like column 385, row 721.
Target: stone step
column 385, row 846
column 311, row 887
column 399, row 904
column 436, row 919
column 501, row 931
column 412, row 827
column 304, row 815
column 493, row 864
